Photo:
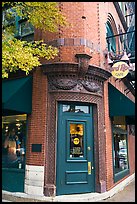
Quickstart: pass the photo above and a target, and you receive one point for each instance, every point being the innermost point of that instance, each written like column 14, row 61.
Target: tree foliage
column 19, row 54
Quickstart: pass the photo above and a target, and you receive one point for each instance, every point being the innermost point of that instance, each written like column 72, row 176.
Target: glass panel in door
column 76, row 140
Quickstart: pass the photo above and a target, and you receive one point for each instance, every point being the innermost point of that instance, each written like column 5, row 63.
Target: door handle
column 89, row 168
column 89, row 148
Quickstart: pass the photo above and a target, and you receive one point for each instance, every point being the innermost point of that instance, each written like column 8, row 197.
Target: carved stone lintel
column 73, row 68
column 67, row 76
column 68, row 83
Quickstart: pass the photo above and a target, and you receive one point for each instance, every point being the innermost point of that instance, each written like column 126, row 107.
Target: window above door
column 75, row 108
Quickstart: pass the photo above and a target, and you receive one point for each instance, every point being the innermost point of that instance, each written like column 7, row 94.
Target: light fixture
column 110, row 62
column 125, row 57
column 18, row 124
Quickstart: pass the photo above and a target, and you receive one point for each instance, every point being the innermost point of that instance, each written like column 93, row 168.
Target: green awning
column 17, row 96
column 119, row 104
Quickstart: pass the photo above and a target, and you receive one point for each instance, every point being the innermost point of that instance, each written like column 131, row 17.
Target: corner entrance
column 75, row 151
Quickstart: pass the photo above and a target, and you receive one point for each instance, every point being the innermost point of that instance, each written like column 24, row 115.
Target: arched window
column 111, row 42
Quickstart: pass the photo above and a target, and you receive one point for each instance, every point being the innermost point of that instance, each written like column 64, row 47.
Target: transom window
column 75, row 108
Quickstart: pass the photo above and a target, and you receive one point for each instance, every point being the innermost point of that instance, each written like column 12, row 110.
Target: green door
column 75, row 159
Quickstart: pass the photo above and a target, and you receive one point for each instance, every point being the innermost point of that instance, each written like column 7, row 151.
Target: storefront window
column 120, row 148
column 13, row 141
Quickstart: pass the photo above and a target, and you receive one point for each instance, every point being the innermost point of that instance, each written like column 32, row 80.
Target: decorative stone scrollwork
column 62, row 83
column 91, row 86
column 67, row 76
column 68, row 83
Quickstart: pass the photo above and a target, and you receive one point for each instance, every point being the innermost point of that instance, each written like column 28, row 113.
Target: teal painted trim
column 75, row 160
column 79, row 182
column 13, row 170
column 127, row 150
column 112, row 149
column 76, row 114
column 13, row 180
column 73, row 172
column 27, row 136
column 17, row 32
column 121, row 175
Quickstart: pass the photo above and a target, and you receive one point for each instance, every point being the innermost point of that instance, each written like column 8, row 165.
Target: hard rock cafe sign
column 120, row 69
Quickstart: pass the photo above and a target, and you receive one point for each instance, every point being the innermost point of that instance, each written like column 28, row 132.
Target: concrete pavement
column 126, row 195
column 123, row 192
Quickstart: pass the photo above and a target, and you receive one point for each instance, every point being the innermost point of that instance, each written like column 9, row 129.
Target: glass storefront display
column 14, row 141
column 120, row 153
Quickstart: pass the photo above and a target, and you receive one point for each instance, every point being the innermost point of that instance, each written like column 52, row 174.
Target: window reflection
column 75, row 109
column 13, row 141
column 76, row 140
column 26, row 28
column 120, row 149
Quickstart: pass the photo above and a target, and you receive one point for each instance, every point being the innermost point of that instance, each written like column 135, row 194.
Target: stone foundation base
column 101, row 187
column 34, row 180
column 50, row 190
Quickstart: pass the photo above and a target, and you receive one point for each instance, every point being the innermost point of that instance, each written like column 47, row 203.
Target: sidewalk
column 126, row 195
column 87, row 197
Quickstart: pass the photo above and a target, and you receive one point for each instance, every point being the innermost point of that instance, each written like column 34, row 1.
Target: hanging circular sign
column 76, row 141
column 120, row 69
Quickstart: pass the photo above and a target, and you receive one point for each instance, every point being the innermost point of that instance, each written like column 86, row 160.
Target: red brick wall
column 131, row 152
column 37, row 120
column 86, row 20
column 87, row 34
column 109, row 161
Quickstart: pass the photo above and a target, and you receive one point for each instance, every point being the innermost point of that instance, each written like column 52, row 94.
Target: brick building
column 77, row 119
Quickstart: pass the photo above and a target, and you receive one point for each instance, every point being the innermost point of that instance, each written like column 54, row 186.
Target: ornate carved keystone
column 83, row 64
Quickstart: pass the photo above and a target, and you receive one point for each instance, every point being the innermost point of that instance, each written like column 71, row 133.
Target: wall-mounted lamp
column 110, row 62
column 112, row 58
column 125, row 57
